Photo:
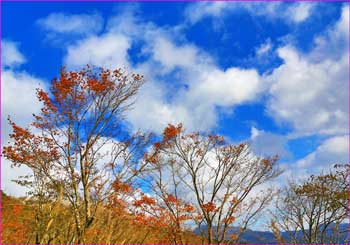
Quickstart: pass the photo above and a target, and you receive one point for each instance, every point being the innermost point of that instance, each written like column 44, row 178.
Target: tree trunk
column 210, row 234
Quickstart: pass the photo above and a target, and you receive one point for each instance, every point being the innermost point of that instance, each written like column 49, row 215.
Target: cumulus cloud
column 18, row 96
column 108, row 51
column 310, row 93
column 63, row 23
column 227, row 88
column 205, row 87
column 289, row 12
column 171, row 56
column 11, row 56
column 184, row 84
column 152, row 112
column 332, row 151
column 18, row 90
column 18, row 101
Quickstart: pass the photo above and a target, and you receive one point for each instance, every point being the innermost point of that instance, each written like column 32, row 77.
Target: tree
column 312, row 212
column 215, row 178
column 76, row 147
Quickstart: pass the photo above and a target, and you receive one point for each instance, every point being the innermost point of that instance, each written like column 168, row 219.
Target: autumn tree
column 313, row 211
column 215, row 178
column 76, row 147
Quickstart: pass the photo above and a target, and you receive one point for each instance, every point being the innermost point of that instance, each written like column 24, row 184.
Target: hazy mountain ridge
column 253, row 236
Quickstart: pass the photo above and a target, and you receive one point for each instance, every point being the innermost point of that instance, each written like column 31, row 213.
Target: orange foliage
column 30, row 149
column 171, row 131
column 209, row 207
column 144, row 200
column 100, row 86
column 121, row 187
column 16, row 221
column 44, row 97
column 171, row 199
column 189, row 208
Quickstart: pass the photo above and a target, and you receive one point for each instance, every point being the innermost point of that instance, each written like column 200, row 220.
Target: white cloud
column 172, row 56
column 198, row 11
column 335, row 42
column 289, row 12
column 158, row 103
column 184, row 84
column 226, row 88
column 11, row 56
column 18, row 92
column 19, row 101
column 312, row 93
column 18, row 97
column 151, row 112
column 64, row 23
column 263, row 49
column 268, row 144
column 332, row 151
column 205, row 86
column 299, row 12
column 108, row 51
column 202, row 84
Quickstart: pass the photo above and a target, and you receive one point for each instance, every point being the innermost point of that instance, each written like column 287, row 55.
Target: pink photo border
column 1, row 1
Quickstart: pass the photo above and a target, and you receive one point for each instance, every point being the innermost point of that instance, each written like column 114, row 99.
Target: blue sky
column 273, row 74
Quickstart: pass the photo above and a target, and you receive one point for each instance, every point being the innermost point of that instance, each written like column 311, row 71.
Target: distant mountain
column 252, row 236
